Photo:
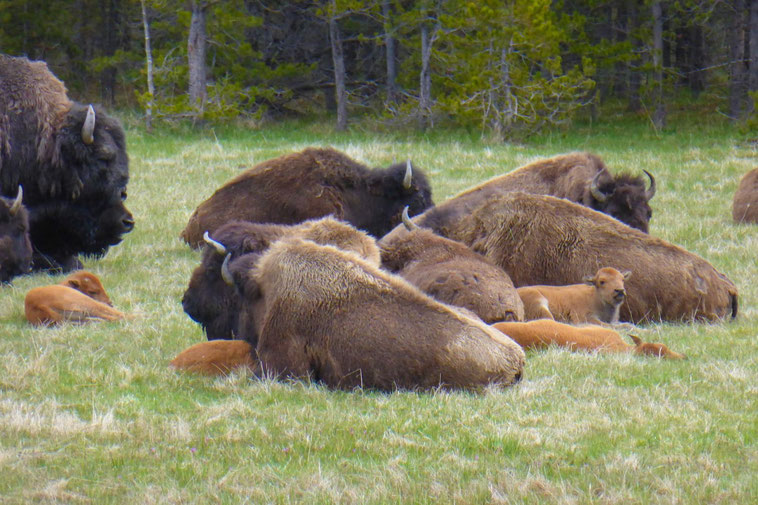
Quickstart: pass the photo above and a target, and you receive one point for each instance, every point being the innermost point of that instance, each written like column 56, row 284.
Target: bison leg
column 41, row 315
column 536, row 306
column 286, row 357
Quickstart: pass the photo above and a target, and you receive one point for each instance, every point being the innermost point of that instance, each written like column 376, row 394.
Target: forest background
column 505, row 68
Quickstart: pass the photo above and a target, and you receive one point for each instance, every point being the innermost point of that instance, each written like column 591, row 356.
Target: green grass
column 92, row 414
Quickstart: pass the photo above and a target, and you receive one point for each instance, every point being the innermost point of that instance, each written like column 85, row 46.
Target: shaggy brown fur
column 452, row 273
column 570, row 176
column 79, row 298
column 330, row 315
column 596, row 301
column 543, row 333
column 745, row 203
column 546, row 240
column 310, row 184
column 217, row 357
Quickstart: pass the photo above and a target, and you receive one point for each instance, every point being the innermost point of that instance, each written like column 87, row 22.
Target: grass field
column 92, row 414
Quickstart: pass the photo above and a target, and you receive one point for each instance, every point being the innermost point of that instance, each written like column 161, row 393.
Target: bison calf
column 79, row 298
column 596, row 301
column 543, row 333
column 216, row 357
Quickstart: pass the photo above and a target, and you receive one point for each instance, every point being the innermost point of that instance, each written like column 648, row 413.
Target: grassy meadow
column 92, row 414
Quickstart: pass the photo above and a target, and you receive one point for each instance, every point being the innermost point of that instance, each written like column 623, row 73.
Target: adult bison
column 327, row 314
column 71, row 160
column 580, row 177
column 545, row 240
column 745, row 203
column 450, row 272
column 310, row 184
column 15, row 247
column 209, row 301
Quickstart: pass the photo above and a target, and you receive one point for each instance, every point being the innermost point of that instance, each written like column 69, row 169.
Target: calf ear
column 74, row 283
column 626, row 275
column 637, row 340
column 589, row 279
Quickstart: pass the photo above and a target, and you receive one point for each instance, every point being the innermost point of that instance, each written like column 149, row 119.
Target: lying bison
column 215, row 305
column 580, row 177
column 310, row 184
column 745, row 203
column 329, row 315
column 450, row 272
column 546, row 240
column 71, row 160
column 15, row 247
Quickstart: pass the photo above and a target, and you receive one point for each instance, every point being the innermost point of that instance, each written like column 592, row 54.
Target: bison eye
column 123, row 195
column 602, row 283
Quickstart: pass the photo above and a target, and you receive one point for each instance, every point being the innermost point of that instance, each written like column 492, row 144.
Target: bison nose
column 128, row 223
column 619, row 294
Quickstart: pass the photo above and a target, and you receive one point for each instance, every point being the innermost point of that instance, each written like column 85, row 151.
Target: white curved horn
column 88, row 130
column 17, row 202
column 217, row 246
column 408, row 175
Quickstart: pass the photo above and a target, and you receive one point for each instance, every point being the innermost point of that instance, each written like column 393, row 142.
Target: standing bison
column 327, row 314
column 745, row 203
column 545, row 240
column 580, row 177
column 310, row 184
column 71, row 160
column 15, row 247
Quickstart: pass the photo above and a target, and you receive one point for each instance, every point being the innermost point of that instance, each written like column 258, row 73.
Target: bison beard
column 547, row 240
column 329, row 315
column 310, row 184
column 71, row 160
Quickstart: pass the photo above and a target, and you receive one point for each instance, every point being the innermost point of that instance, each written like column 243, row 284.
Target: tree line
column 508, row 67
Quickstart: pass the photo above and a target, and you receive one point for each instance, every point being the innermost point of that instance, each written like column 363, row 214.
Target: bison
column 745, row 203
column 546, row 240
column 71, row 160
column 214, row 304
column 79, row 298
column 452, row 273
column 596, row 301
column 543, row 333
column 329, row 315
column 15, row 246
column 217, row 357
column 311, row 184
column 580, row 177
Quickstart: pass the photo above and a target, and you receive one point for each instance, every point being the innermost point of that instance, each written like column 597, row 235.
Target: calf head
column 609, row 285
column 89, row 284
column 623, row 197
column 15, row 246
column 654, row 349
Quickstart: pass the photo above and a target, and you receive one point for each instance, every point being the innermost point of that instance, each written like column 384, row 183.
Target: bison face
column 400, row 188
column 15, row 246
column 624, row 198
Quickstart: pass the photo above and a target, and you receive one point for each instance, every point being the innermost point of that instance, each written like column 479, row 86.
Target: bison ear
column 626, row 275
column 589, row 279
column 637, row 340
column 74, row 283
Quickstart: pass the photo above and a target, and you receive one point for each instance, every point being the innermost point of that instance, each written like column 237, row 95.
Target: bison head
column 15, row 246
column 623, row 197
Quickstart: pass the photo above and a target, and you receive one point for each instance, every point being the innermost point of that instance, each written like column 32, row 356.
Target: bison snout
column 619, row 295
column 128, row 223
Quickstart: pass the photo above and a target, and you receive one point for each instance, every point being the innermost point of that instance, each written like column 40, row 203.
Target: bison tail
column 735, row 304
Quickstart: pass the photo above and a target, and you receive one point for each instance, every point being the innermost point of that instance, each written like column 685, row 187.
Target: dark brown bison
column 215, row 305
column 546, row 240
column 745, row 203
column 580, row 177
column 310, row 184
column 329, row 315
column 450, row 272
column 71, row 160
column 15, row 246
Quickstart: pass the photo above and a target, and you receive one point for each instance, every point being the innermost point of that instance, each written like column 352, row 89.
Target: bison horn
column 218, row 246
column 408, row 175
column 409, row 225
column 651, row 190
column 88, row 130
column 595, row 189
column 17, row 202
column 226, row 274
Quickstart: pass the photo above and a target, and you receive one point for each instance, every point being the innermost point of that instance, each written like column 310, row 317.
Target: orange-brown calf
column 215, row 357
column 542, row 333
column 596, row 301
column 79, row 298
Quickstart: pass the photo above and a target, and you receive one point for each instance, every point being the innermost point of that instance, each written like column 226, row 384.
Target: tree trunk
column 339, row 71
column 753, row 72
column 659, row 114
column 110, row 10
column 196, row 58
column 389, row 42
column 149, row 59
column 635, row 102
column 425, row 95
column 737, row 88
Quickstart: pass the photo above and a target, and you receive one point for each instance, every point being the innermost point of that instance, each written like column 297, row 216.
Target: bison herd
column 316, row 266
